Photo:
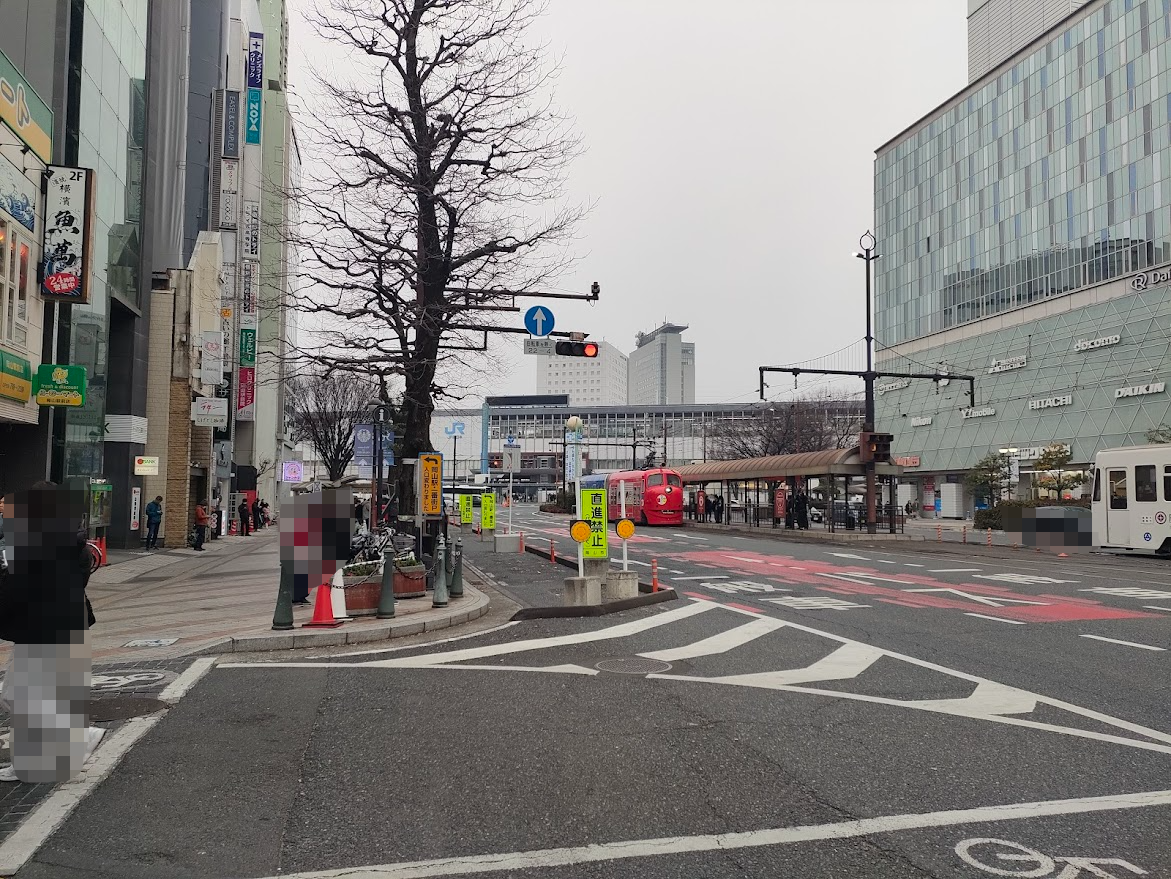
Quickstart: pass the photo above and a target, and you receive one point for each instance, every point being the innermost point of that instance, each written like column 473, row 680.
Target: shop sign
column 246, row 394
column 211, row 364
column 248, row 274
column 18, row 195
column 908, row 461
column 254, row 72
column 60, row 385
column 1150, row 279
column 24, row 112
column 920, row 421
column 251, row 229
column 593, row 510
column 1008, row 363
column 247, row 347
column 1140, row 390
column 252, row 114
column 16, row 377
column 892, row 386
column 231, row 124
column 210, row 412
column 1052, row 402
column 229, row 193
column 1032, row 453
column 431, row 485
column 65, row 265
column 292, row 471
column 1091, row 344
column 146, row 465
column 982, row 412
column 135, row 508
column 101, row 497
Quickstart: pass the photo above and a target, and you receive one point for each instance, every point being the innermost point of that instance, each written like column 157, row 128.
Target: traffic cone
column 322, row 611
column 337, row 597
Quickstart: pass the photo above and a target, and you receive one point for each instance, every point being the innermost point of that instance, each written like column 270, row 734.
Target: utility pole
column 868, row 255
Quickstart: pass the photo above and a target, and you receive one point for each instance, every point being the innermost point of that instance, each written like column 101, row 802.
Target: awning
column 834, row 462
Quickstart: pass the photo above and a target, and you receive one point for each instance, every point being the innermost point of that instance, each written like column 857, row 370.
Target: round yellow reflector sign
column 580, row 531
column 624, row 529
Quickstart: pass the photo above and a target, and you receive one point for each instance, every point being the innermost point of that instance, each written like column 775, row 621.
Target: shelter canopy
column 832, row 462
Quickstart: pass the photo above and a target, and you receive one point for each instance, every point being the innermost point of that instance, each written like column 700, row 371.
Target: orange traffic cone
column 322, row 610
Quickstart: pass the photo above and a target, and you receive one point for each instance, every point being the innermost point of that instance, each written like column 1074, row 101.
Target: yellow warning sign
column 488, row 512
column 593, row 510
column 624, row 529
column 431, row 484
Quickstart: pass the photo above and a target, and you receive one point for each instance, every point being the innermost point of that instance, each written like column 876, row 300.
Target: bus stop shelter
column 760, row 492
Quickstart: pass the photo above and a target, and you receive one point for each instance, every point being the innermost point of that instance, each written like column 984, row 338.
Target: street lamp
column 867, row 242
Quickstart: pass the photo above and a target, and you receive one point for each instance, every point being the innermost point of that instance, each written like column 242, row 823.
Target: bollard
column 989, row 536
column 552, row 552
column 457, row 570
column 939, row 533
column 965, row 534
column 386, row 594
column 522, row 541
column 282, row 617
column 440, row 599
column 654, row 575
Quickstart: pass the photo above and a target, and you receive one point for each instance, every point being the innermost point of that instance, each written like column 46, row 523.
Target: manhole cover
column 123, row 708
column 130, row 680
column 633, row 666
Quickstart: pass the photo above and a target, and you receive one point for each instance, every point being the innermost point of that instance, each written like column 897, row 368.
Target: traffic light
column 577, row 349
column 874, row 446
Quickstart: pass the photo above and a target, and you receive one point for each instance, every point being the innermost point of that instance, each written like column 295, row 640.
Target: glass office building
column 1021, row 226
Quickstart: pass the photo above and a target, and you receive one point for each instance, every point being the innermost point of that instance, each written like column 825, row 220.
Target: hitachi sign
column 1140, row 390
column 1091, row 344
column 1050, row 402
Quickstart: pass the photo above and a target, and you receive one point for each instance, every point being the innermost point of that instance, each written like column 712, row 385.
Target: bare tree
column 442, row 196
column 812, row 424
column 326, row 409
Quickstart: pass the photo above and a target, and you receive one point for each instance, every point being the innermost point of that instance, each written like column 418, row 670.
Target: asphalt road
column 803, row 710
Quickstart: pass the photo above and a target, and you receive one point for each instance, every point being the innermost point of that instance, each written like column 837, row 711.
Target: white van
column 1131, row 502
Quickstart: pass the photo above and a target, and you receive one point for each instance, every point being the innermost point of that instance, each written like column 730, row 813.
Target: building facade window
column 16, row 275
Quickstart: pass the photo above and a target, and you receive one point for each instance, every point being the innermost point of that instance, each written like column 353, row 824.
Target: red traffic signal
column 577, row 349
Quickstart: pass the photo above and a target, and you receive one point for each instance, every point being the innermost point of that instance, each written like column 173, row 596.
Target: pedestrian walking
column 3, row 546
column 154, row 518
column 245, row 517
column 359, row 513
column 45, row 613
column 201, row 521
column 257, row 515
column 803, row 511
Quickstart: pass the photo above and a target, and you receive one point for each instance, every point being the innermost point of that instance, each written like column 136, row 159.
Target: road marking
column 912, row 565
column 507, row 625
column 178, row 688
column 632, row 561
column 689, row 537
column 673, row 571
column 778, row 564
column 815, row 603
column 597, row 853
column 1125, row 643
column 1022, row 579
column 996, row 619
column 1128, row 592
column 707, row 577
column 850, row 555
column 740, row 558
column 952, row 570
column 721, row 643
column 993, row 601
column 1156, row 607
column 886, row 562
column 734, row 537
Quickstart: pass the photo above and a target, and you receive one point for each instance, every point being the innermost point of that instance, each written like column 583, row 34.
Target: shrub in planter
column 994, row 518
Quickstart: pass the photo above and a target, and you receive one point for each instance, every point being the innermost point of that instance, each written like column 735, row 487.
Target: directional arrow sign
column 539, row 321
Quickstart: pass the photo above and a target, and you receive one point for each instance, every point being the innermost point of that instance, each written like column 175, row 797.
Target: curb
column 473, row 606
column 595, row 610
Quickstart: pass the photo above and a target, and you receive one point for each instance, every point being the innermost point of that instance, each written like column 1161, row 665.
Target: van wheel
column 642, row 520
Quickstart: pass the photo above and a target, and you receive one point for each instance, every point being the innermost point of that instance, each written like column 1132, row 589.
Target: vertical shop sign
column 65, row 267
column 231, row 124
column 251, row 229
column 246, row 394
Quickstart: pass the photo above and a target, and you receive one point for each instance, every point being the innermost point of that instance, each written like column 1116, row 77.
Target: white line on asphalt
column 515, row 862
column 952, row 570
column 673, row 571
column 1156, row 607
column 18, row 848
column 706, row 577
column 631, row 561
column 721, row 643
column 734, row 537
column 886, row 562
column 425, row 644
column 689, row 536
column 1125, row 643
column 913, row 565
column 739, row 558
column 778, row 564
column 995, row 619
column 850, row 555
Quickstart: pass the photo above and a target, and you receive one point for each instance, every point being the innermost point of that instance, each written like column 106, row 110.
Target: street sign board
column 488, row 511
column 571, row 455
column 146, row 465
column 430, row 484
column 593, row 510
column 540, row 346
column 465, row 509
column 60, row 385
column 539, row 321
column 511, row 458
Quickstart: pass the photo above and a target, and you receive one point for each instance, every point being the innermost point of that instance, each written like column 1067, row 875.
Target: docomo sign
column 1091, row 344
column 1140, row 390
column 1051, row 402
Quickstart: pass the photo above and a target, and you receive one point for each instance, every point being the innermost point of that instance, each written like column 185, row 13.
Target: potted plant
column 363, row 581
column 410, row 578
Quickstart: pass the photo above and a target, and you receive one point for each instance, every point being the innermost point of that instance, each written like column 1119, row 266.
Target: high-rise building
column 1026, row 241
column 588, row 381
column 999, row 28
column 661, row 370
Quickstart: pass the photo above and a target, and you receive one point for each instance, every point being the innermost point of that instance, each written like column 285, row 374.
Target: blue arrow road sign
column 539, row 321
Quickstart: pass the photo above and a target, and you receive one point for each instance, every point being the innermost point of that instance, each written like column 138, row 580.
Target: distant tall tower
column 997, row 29
column 661, row 370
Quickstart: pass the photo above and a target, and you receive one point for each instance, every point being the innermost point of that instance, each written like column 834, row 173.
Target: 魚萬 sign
column 593, row 510
column 210, row 412
column 22, row 109
column 16, row 377
column 60, row 385
column 65, row 264
column 430, row 484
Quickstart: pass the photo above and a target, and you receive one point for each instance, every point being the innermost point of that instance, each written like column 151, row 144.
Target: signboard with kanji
column 465, row 509
column 430, row 484
column 593, row 510
column 488, row 512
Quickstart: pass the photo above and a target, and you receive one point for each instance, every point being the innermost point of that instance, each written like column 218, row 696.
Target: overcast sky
column 729, row 153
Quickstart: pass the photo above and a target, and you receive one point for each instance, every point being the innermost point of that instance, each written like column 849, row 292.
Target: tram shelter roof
column 831, row 462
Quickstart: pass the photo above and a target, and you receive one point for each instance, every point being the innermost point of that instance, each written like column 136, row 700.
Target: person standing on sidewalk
column 154, row 518
column 201, row 520
column 245, row 517
column 3, row 546
column 257, row 515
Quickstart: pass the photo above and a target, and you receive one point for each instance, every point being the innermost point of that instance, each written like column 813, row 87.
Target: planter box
column 362, row 594
column 410, row 582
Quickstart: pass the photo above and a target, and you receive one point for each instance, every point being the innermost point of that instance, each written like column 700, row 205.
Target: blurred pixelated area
column 1064, row 529
column 315, row 532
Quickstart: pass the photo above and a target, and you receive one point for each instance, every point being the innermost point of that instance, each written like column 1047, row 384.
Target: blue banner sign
column 253, row 117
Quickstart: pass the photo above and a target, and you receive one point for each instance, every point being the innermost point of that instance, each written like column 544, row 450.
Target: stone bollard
column 282, row 618
column 457, row 570
column 386, row 595
column 440, row 597
column 582, row 591
column 620, row 585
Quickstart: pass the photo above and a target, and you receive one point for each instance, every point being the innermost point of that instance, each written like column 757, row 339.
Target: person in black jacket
column 45, row 613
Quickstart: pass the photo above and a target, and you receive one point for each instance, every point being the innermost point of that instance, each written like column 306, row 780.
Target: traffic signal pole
column 867, row 242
